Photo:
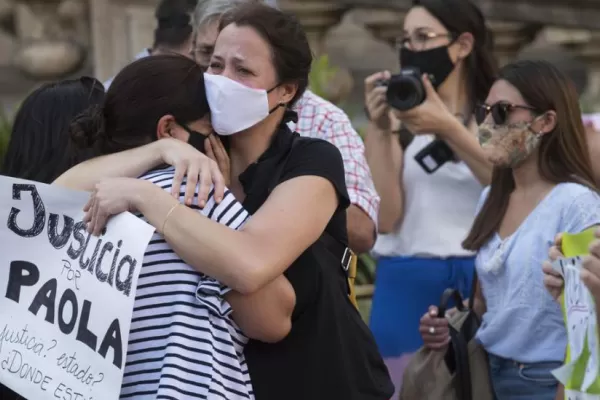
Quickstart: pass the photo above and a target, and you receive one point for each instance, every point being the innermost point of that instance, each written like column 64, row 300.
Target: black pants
column 7, row 394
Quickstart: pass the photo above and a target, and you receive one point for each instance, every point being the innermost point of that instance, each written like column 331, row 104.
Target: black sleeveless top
column 330, row 353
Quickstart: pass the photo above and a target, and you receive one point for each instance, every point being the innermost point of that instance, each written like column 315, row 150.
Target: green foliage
column 365, row 270
column 321, row 72
column 589, row 105
column 5, row 129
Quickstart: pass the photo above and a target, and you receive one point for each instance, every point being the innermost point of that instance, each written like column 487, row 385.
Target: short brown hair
column 292, row 57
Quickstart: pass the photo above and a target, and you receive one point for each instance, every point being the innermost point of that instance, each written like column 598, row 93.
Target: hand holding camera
column 419, row 107
column 376, row 103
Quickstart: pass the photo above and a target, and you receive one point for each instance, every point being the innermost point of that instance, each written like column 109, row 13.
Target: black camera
column 405, row 90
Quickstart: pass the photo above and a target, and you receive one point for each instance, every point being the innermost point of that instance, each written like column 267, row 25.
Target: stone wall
column 51, row 39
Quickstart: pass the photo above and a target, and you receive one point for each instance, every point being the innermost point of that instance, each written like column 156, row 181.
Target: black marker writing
column 122, row 268
column 22, row 337
column 23, row 274
column 73, row 275
column 15, row 365
column 71, row 365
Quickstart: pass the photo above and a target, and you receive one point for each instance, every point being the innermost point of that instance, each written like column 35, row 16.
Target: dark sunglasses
column 500, row 112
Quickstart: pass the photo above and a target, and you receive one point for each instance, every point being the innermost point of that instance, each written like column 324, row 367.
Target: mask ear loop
column 539, row 134
column 278, row 105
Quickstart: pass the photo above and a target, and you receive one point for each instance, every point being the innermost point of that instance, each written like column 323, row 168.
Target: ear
column 164, row 126
column 547, row 123
column 288, row 91
column 465, row 43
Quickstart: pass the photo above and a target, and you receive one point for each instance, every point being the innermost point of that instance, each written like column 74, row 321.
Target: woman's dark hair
column 174, row 26
column 292, row 56
column 460, row 16
column 39, row 137
column 139, row 96
column 563, row 152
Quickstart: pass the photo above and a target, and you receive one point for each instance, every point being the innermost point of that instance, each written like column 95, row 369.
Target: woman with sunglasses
column 542, row 184
column 424, row 216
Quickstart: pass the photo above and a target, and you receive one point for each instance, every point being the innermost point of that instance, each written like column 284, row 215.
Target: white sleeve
column 228, row 212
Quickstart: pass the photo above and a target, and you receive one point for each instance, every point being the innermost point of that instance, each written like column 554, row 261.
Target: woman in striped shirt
column 184, row 341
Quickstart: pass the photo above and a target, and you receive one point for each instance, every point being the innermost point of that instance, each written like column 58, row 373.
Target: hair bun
column 88, row 128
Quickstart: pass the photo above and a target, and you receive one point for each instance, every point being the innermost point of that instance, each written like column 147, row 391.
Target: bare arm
column 479, row 305
column 361, row 230
column 201, row 172
column 385, row 158
column 269, row 243
column 560, row 392
column 130, row 163
column 267, row 314
column 467, row 148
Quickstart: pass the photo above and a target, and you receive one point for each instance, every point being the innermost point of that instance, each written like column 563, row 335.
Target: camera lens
column 405, row 90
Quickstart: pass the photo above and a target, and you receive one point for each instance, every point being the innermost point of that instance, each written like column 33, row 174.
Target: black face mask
column 196, row 139
column 434, row 62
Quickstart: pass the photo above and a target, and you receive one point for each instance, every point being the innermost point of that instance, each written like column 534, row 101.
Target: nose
column 228, row 72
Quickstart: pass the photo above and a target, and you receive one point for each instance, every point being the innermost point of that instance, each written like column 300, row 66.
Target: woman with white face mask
column 294, row 188
column 542, row 184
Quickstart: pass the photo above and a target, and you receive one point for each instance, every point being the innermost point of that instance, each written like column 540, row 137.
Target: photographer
column 429, row 190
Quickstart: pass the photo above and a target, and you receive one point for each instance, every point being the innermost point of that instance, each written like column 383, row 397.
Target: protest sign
column 66, row 297
column 580, row 373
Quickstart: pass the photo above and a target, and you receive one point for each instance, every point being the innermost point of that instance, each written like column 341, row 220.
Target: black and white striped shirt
column 183, row 343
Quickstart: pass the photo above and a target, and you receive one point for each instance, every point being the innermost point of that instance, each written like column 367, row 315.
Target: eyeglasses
column 500, row 112
column 418, row 39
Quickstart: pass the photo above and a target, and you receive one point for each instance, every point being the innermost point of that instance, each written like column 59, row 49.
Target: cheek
column 496, row 155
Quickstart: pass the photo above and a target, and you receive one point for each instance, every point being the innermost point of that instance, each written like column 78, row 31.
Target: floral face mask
column 508, row 145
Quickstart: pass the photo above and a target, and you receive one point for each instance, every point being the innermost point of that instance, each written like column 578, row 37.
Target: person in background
column 577, row 71
column 317, row 118
column 173, row 33
column 39, row 136
column 424, row 217
column 542, row 185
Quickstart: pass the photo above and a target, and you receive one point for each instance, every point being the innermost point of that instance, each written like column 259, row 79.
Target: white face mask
column 233, row 106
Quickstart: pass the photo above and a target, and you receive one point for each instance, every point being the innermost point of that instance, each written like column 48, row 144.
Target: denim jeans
column 515, row 381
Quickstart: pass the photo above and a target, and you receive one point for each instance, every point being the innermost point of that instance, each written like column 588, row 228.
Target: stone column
column 590, row 52
column 385, row 25
column 509, row 38
column 584, row 43
column 316, row 16
column 120, row 30
column 52, row 37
